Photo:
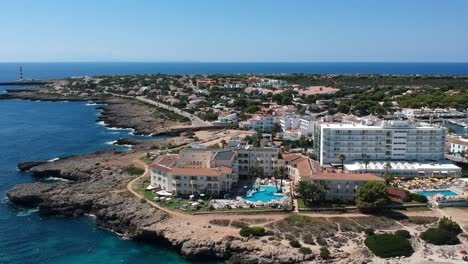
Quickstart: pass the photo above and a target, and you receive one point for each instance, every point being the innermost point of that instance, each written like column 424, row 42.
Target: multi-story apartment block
column 212, row 172
column 393, row 141
column 263, row 123
column 267, row 158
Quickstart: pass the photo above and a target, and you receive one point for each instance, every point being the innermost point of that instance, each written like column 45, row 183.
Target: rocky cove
column 97, row 186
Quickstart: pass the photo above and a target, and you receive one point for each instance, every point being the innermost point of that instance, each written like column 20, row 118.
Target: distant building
column 457, row 145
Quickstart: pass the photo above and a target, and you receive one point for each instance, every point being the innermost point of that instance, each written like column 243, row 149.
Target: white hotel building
column 411, row 150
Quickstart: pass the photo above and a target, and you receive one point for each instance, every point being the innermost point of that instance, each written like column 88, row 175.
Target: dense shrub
column 295, row 244
column 418, row 197
column 322, row 241
column 403, row 233
column 324, row 253
column 449, row 225
column 445, row 234
column 438, row 236
column 389, row 245
column 369, row 231
column 132, row 170
column 254, row 231
column 305, row 250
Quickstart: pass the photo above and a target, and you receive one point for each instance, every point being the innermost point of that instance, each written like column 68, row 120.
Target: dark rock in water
column 25, row 166
column 127, row 141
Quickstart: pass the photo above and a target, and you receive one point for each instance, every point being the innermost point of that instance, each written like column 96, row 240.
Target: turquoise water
column 444, row 192
column 31, row 131
column 266, row 194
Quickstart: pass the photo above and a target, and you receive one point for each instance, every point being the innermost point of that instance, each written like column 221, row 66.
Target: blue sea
column 32, row 131
column 60, row 70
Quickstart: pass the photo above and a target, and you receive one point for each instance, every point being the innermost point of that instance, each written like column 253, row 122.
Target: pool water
column 265, row 195
column 443, row 192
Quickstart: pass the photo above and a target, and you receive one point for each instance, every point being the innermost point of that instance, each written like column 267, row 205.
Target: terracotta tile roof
column 164, row 163
column 330, row 176
column 458, row 141
column 212, row 172
column 289, row 157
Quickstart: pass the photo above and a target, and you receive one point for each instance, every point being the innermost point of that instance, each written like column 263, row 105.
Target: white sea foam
column 102, row 123
column 111, row 142
column 91, row 104
column 27, row 212
column 56, row 179
column 54, row 159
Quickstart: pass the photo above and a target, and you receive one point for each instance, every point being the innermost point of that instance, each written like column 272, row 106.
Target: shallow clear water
column 264, row 195
column 443, row 192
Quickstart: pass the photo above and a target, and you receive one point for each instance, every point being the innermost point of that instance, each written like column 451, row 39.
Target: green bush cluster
column 324, row 253
column 389, row 245
column 305, row 251
column 132, row 170
column 445, row 234
column 295, row 244
column 252, row 231
column 403, row 233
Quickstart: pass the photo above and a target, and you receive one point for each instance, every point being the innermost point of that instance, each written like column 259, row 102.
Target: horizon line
column 454, row 62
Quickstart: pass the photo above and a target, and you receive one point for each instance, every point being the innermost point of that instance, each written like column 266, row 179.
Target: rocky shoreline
column 97, row 186
column 116, row 111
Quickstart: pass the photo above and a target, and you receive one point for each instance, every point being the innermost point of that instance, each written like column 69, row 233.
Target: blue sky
column 234, row 30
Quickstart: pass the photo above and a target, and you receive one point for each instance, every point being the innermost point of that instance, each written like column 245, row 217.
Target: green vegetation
column 310, row 192
column 445, row 234
column 389, row 245
column 132, row 170
column 169, row 115
column 305, row 251
column 403, row 233
column 295, row 244
column 252, row 231
column 324, row 253
column 372, row 196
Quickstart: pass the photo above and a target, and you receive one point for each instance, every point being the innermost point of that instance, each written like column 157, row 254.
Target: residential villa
column 342, row 186
column 457, row 145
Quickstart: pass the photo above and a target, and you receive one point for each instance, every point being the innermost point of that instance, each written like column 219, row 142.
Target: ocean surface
column 60, row 70
column 32, row 131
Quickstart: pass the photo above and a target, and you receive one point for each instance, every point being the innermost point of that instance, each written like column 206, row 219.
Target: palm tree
column 280, row 172
column 463, row 155
column 275, row 175
column 388, row 167
column 223, row 143
column 342, row 157
column 365, row 160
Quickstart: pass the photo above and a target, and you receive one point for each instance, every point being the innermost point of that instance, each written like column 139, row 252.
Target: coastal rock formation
column 97, row 186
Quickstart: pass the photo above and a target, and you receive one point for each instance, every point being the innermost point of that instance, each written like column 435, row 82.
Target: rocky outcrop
column 24, row 166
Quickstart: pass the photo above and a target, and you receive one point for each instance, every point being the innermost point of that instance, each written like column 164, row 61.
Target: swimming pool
column 265, row 195
column 443, row 192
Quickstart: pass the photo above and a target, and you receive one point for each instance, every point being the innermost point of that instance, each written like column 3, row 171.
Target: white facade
column 235, row 85
column 212, row 172
column 263, row 123
column 290, row 122
column 227, row 119
column 267, row 158
column 458, row 145
column 395, row 140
